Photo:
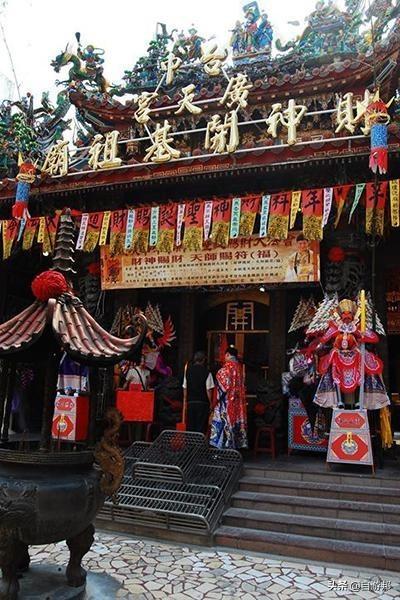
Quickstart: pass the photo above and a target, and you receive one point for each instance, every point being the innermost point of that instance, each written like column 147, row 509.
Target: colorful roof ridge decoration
column 75, row 330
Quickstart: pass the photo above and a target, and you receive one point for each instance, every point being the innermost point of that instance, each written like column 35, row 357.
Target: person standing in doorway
column 198, row 385
column 229, row 419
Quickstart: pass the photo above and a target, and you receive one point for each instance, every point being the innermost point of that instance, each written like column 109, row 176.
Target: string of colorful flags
column 192, row 224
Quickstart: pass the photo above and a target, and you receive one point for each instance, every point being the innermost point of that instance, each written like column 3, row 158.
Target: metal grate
column 176, row 483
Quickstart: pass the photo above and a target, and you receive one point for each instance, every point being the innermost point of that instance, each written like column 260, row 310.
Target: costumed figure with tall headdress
column 336, row 343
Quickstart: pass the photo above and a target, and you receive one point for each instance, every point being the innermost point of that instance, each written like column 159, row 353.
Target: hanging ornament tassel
column 377, row 120
column 378, row 158
column 25, row 177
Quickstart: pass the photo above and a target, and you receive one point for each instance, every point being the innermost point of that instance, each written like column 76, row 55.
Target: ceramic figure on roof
column 91, row 73
column 328, row 31
column 254, row 35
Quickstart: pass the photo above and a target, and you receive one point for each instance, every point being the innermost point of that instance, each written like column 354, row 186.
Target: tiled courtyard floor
column 148, row 569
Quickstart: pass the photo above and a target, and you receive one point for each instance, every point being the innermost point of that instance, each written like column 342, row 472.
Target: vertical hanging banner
column 375, row 207
column 394, row 203
column 180, row 216
column 30, row 232
column 93, row 231
column 194, row 220
column 235, row 217
column 207, row 219
column 155, row 210
column 82, row 231
column 141, row 231
column 340, row 194
column 248, row 213
column 50, row 230
column 221, row 222
column 130, row 224
column 166, row 227
column 294, row 207
column 117, row 231
column 312, row 208
column 10, row 231
column 328, row 196
column 278, row 223
column 104, row 228
column 264, row 215
column 357, row 195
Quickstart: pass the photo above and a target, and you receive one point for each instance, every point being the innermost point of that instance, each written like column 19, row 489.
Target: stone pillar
column 186, row 328
column 277, row 337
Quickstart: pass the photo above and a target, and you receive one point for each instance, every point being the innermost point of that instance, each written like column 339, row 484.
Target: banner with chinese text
column 251, row 261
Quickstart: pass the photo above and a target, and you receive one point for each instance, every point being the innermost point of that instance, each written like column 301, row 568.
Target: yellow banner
column 42, row 225
column 104, row 228
column 294, row 208
column 394, row 203
column 255, row 261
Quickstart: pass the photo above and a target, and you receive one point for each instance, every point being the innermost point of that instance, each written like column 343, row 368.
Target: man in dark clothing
column 198, row 385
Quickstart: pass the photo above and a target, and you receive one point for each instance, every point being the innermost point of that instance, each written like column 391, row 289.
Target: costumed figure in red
column 229, row 420
column 160, row 334
column 339, row 363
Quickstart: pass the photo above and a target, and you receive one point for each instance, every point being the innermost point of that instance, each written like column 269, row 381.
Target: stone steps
column 319, row 507
column 311, row 513
column 324, row 527
column 377, row 556
column 321, row 489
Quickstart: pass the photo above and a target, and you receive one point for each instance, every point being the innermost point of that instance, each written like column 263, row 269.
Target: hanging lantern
column 377, row 119
column 25, row 177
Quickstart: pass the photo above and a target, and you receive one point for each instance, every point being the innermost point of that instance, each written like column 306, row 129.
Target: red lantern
column 336, row 254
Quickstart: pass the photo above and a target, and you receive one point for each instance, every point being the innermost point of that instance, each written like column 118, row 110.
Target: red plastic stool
column 268, row 432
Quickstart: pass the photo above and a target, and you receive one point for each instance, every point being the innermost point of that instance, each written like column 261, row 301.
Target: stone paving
column 150, row 569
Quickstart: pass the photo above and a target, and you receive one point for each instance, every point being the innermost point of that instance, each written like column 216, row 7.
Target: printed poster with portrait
column 252, row 260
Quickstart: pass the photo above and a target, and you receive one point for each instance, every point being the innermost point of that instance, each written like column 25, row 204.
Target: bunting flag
column 180, row 216
column 235, row 217
column 278, row 223
column 21, row 229
column 155, row 211
column 130, row 225
column 93, row 231
column 104, row 228
column 31, row 226
column 328, row 195
column 357, row 195
column 208, row 210
column 249, row 209
column 49, row 237
column 394, row 203
column 142, row 228
column 340, row 194
column 82, row 231
column 264, row 216
column 166, row 227
column 10, row 231
column 313, row 207
column 117, row 231
column 221, row 222
column 193, row 235
column 375, row 207
column 294, row 207
column 40, row 235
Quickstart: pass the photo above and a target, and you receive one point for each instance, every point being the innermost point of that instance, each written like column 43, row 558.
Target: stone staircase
column 315, row 514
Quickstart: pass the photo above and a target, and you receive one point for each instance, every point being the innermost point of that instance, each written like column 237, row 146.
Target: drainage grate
column 177, row 483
